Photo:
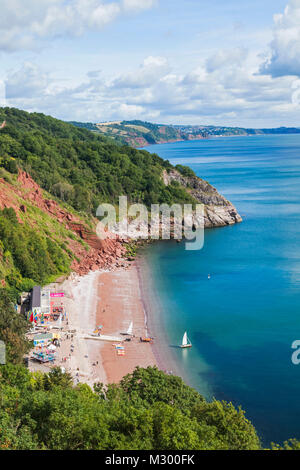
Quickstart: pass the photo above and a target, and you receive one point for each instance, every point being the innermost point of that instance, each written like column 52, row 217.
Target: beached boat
column 129, row 332
column 185, row 341
column 130, row 329
column 146, row 340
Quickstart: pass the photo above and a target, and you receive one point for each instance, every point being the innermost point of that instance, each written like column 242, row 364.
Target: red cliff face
column 102, row 254
column 33, row 192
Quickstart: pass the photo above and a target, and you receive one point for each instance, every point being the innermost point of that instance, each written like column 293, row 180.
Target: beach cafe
column 45, row 306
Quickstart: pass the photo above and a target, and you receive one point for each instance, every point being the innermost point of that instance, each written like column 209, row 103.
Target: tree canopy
column 147, row 410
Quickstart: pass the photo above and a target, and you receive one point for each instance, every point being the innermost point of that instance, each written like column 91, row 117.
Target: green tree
column 12, row 330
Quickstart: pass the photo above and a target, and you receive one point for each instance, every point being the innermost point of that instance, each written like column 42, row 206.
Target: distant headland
column 141, row 133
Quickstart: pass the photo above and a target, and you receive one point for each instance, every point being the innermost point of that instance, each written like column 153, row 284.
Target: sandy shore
column 111, row 299
column 119, row 304
column 80, row 303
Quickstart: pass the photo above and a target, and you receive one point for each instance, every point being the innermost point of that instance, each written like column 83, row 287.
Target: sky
column 233, row 63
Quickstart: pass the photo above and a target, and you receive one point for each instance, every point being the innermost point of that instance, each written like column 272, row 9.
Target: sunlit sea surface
column 243, row 320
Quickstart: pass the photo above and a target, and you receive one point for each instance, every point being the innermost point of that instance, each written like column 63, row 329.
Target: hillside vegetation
column 81, row 167
column 79, row 170
column 147, row 410
column 34, row 240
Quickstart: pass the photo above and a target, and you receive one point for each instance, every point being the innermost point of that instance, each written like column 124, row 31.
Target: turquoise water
column 243, row 320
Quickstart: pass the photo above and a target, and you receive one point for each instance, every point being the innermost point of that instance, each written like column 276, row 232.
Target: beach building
column 35, row 300
column 40, row 301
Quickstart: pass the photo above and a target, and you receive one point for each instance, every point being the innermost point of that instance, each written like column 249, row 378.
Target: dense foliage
column 147, row 410
column 81, row 167
column 28, row 256
column 13, row 327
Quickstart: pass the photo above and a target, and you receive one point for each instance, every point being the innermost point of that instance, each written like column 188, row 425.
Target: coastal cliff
column 218, row 211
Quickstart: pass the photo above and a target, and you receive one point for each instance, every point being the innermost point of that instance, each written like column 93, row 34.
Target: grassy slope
column 33, row 225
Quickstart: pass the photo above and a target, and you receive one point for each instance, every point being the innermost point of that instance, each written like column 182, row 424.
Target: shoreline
column 164, row 351
column 153, row 312
column 211, row 137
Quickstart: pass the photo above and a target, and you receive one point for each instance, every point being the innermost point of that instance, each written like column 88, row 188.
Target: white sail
column 130, row 329
column 185, row 339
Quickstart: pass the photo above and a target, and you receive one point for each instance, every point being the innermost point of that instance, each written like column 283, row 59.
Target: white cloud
column 22, row 26
column 234, row 94
column 284, row 56
column 26, row 82
column 130, row 111
column 152, row 69
column 224, row 58
column 137, row 5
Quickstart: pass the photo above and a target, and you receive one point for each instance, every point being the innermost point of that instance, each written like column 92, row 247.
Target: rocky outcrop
column 218, row 211
column 107, row 253
column 109, row 256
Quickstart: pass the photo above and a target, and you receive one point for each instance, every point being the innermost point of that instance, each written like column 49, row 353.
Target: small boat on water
column 186, row 343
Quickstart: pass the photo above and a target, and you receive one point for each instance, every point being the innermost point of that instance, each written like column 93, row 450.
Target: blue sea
column 243, row 320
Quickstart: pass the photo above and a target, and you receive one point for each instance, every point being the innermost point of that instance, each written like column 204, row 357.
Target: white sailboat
column 129, row 332
column 130, row 329
column 185, row 341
